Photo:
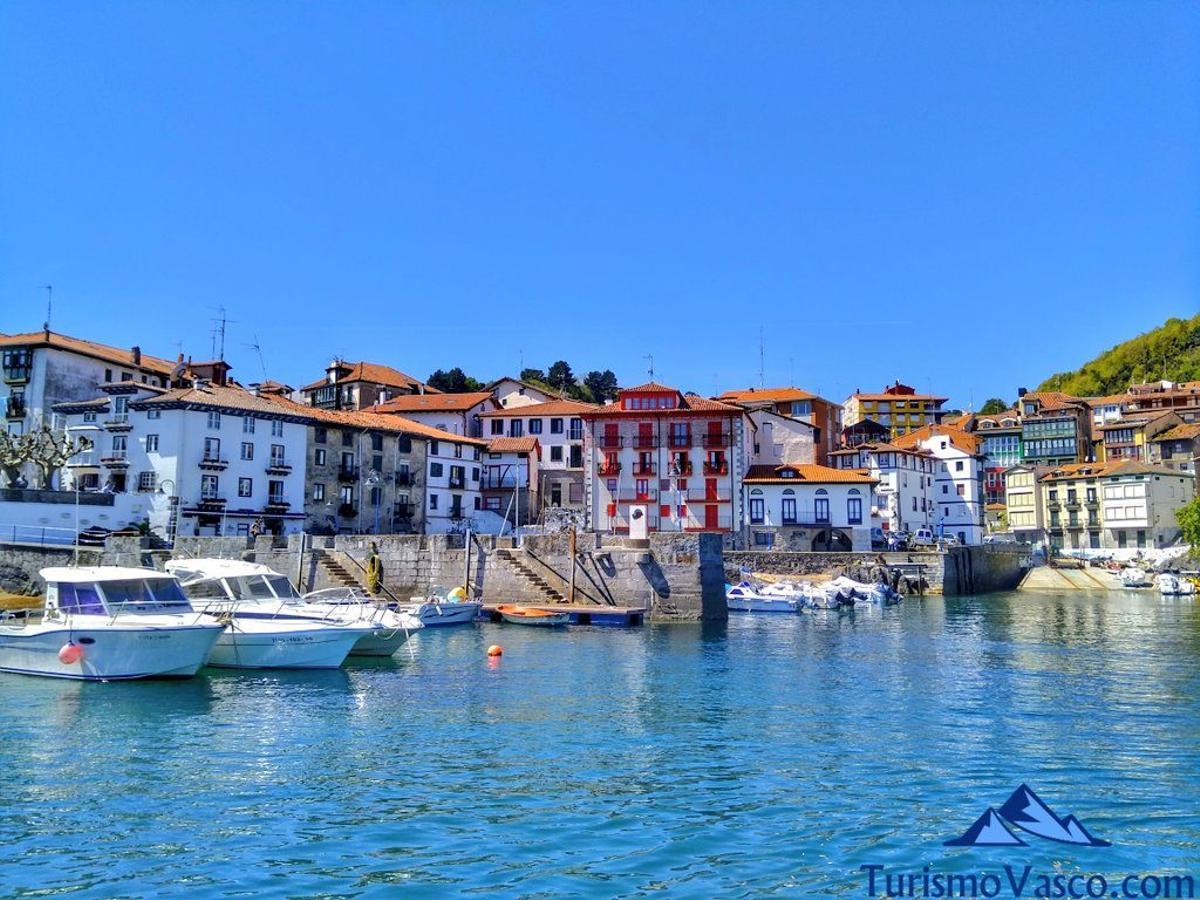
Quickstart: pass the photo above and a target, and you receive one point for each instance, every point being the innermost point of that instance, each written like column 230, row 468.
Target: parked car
column 922, row 537
column 879, row 539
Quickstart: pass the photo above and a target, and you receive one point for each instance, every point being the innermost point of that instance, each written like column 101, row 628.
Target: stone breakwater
column 675, row 577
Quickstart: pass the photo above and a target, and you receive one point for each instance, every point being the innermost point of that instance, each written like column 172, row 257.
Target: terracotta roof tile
column 525, row 444
column 1179, row 433
column 769, row 395
column 88, row 348
column 412, row 403
column 962, row 440
column 549, row 408
column 652, row 386
column 375, row 373
column 805, row 473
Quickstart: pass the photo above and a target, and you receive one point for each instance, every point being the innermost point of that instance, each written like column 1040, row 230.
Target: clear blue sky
column 961, row 195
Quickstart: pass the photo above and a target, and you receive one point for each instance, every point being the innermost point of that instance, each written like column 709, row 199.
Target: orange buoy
column 70, row 653
column 495, row 650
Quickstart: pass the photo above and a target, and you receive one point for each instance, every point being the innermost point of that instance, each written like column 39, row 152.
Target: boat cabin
column 232, row 579
column 112, row 591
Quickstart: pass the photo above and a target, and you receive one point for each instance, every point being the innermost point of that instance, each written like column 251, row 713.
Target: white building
column 958, row 501
column 775, row 439
column 206, row 459
column 453, row 481
column 904, row 493
column 807, row 507
column 43, row 368
column 558, row 427
column 455, row 413
column 513, row 392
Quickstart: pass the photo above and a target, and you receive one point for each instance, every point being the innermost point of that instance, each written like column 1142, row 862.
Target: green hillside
column 1171, row 351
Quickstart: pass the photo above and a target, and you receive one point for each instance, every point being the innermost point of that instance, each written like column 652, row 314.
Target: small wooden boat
column 532, row 615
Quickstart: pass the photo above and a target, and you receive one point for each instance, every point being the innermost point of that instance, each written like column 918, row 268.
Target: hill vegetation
column 1171, row 351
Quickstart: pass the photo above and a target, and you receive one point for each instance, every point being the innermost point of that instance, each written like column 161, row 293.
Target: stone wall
column 960, row 570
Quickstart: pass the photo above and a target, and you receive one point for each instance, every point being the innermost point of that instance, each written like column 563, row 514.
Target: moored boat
column 1172, row 585
column 1133, row 577
column 744, row 597
column 439, row 609
column 108, row 623
column 532, row 615
column 259, row 592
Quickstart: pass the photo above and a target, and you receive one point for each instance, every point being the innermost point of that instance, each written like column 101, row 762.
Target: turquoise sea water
column 775, row 754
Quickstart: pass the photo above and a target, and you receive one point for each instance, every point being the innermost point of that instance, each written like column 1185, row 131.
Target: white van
column 923, row 536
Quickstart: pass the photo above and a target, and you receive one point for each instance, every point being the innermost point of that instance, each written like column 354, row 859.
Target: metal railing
column 41, row 535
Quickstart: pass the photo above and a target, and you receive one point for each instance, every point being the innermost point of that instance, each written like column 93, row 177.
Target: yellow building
column 898, row 408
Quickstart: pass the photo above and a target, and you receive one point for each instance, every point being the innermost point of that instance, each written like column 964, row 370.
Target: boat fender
column 70, row 653
column 495, row 650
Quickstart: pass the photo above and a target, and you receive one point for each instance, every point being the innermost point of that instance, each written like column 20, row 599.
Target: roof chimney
column 1021, row 392
column 136, row 355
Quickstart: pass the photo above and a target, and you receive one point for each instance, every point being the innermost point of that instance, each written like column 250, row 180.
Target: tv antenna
column 218, row 333
column 649, row 357
column 49, row 289
column 762, row 378
column 257, row 348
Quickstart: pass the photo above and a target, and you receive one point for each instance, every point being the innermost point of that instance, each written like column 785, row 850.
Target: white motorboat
column 441, row 609
column 108, row 623
column 1171, row 585
column 1133, row 577
column 261, row 634
column 744, row 597
column 259, row 592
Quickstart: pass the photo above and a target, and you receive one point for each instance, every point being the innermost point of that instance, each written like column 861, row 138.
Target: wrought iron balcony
column 213, row 464
column 721, row 468
column 115, row 461
column 645, row 441
column 607, row 469
column 680, row 440
column 277, row 504
column 346, row 476
column 611, row 441
column 644, row 469
column 117, row 422
column 347, row 511
column 716, row 440
column 406, row 479
column 14, row 408
column 278, row 466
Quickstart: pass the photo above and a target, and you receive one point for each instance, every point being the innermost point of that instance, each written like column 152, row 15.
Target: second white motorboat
column 263, row 631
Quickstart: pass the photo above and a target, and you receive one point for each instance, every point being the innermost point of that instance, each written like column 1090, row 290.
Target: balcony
column 704, row 495
column 347, row 511
column 1092, row 503
column 211, row 502
column 491, row 482
column 14, row 408
column 610, row 442
column 458, row 481
column 608, row 470
column 213, row 463
column 679, row 441
column 347, row 476
column 1053, row 504
column 644, row 469
column 117, row 422
column 279, row 466
column 277, row 505
column 1072, row 504
column 715, row 440
column 631, row 495
column 575, row 434
column 677, row 470
column 405, row 479
column 115, row 461
column 721, row 468
column 403, row 511
column 17, row 373
column 645, row 442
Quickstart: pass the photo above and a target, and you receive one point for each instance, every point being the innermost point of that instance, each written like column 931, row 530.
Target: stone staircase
column 337, row 574
column 537, row 584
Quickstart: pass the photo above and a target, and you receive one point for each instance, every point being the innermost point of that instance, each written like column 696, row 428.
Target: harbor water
column 772, row 754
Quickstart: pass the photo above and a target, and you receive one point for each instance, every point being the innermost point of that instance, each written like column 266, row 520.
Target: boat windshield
column 282, row 587
column 143, row 595
column 81, row 598
column 250, row 587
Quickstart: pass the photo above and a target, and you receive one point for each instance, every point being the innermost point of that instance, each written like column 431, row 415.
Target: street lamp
column 373, row 480
column 172, row 501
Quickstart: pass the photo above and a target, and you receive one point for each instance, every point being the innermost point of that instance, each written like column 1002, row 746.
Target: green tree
column 560, row 375
column 534, row 375
column 602, row 385
column 992, row 406
column 1188, row 518
column 455, row 381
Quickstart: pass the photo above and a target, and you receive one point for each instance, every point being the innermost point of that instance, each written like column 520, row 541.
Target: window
column 435, row 470
column 277, row 454
column 497, row 426
column 276, row 428
column 152, row 443
column 91, row 417
column 245, row 487
column 789, row 510
column 376, row 442
column 962, row 490
column 247, row 450
column 319, row 456
column 516, row 428
column 209, row 486
column 212, row 448
column 821, row 506
column 347, row 462
column 433, row 501
column 404, row 444
column 958, row 466
column 433, row 448
column 318, row 492
column 376, row 496
column 214, row 420
column 556, row 453
column 556, row 426
column 854, row 508
column 576, row 432
column 458, row 451
column 535, row 426
column 146, row 482
column 247, row 425
column 119, row 447
column 346, row 495
column 320, row 435
column 108, row 374
column 347, row 439
column 757, row 515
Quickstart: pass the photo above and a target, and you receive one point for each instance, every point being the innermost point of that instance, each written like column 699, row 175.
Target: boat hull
column 442, row 615
column 764, row 604
column 109, row 654
column 546, row 620
column 383, row 643
column 283, row 649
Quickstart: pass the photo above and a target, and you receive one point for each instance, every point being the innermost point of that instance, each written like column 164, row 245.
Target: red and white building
column 670, row 460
